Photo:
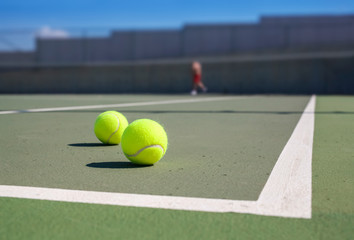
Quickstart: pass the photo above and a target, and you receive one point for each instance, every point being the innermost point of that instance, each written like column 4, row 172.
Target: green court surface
column 222, row 149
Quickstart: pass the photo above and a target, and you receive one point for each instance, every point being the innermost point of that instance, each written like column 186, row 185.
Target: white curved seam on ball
column 115, row 130
column 138, row 152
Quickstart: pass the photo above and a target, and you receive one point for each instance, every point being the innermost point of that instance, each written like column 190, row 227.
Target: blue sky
column 153, row 13
column 96, row 15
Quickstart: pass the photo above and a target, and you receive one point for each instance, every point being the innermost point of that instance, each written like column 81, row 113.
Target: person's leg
column 194, row 90
column 202, row 86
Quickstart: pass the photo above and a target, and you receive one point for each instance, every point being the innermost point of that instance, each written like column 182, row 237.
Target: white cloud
column 48, row 32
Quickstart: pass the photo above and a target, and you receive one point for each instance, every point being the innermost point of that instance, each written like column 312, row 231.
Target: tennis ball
column 109, row 127
column 144, row 142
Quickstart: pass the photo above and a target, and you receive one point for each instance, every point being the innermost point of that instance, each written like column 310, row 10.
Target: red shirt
column 197, row 77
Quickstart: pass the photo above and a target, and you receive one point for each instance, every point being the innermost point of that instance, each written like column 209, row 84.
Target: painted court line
column 287, row 193
column 121, row 105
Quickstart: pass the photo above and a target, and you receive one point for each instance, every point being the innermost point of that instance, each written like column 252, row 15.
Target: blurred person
column 197, row 78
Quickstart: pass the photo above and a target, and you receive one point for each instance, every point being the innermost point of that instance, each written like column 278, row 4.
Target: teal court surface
column 235, row 166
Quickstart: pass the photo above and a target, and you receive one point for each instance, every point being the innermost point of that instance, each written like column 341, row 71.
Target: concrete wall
column 307, row 33
column 60, row 50
column 123, row 46
column 74, row 50
column 207, row 40
column 98, row 50
column 17, row 57
column 157, row 44
column 315, row 19
column 286, row 74
column 301, row 36
column 315, row 31
column 271, row 33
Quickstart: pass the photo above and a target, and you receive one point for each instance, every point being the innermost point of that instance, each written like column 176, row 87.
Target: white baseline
column 287, row 193
column 121, row 105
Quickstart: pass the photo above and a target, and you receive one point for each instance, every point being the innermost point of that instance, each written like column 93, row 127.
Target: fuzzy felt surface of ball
column 144, row 142
column 109, row 127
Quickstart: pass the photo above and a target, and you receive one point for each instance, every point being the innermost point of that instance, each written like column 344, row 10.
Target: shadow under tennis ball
column 120, row 165
column 89, row 145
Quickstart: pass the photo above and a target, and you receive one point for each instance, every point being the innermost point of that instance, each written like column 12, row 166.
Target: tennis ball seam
column 115, row 130
column 142, row 149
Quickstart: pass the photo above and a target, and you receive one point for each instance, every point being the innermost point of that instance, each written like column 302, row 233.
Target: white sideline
column 121, row 105
column 287, row 193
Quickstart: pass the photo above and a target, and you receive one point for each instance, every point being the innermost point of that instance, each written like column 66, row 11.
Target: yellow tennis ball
column 144, row 142
column 109, row 127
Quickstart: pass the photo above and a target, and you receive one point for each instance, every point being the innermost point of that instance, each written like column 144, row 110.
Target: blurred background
column 294, row 47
